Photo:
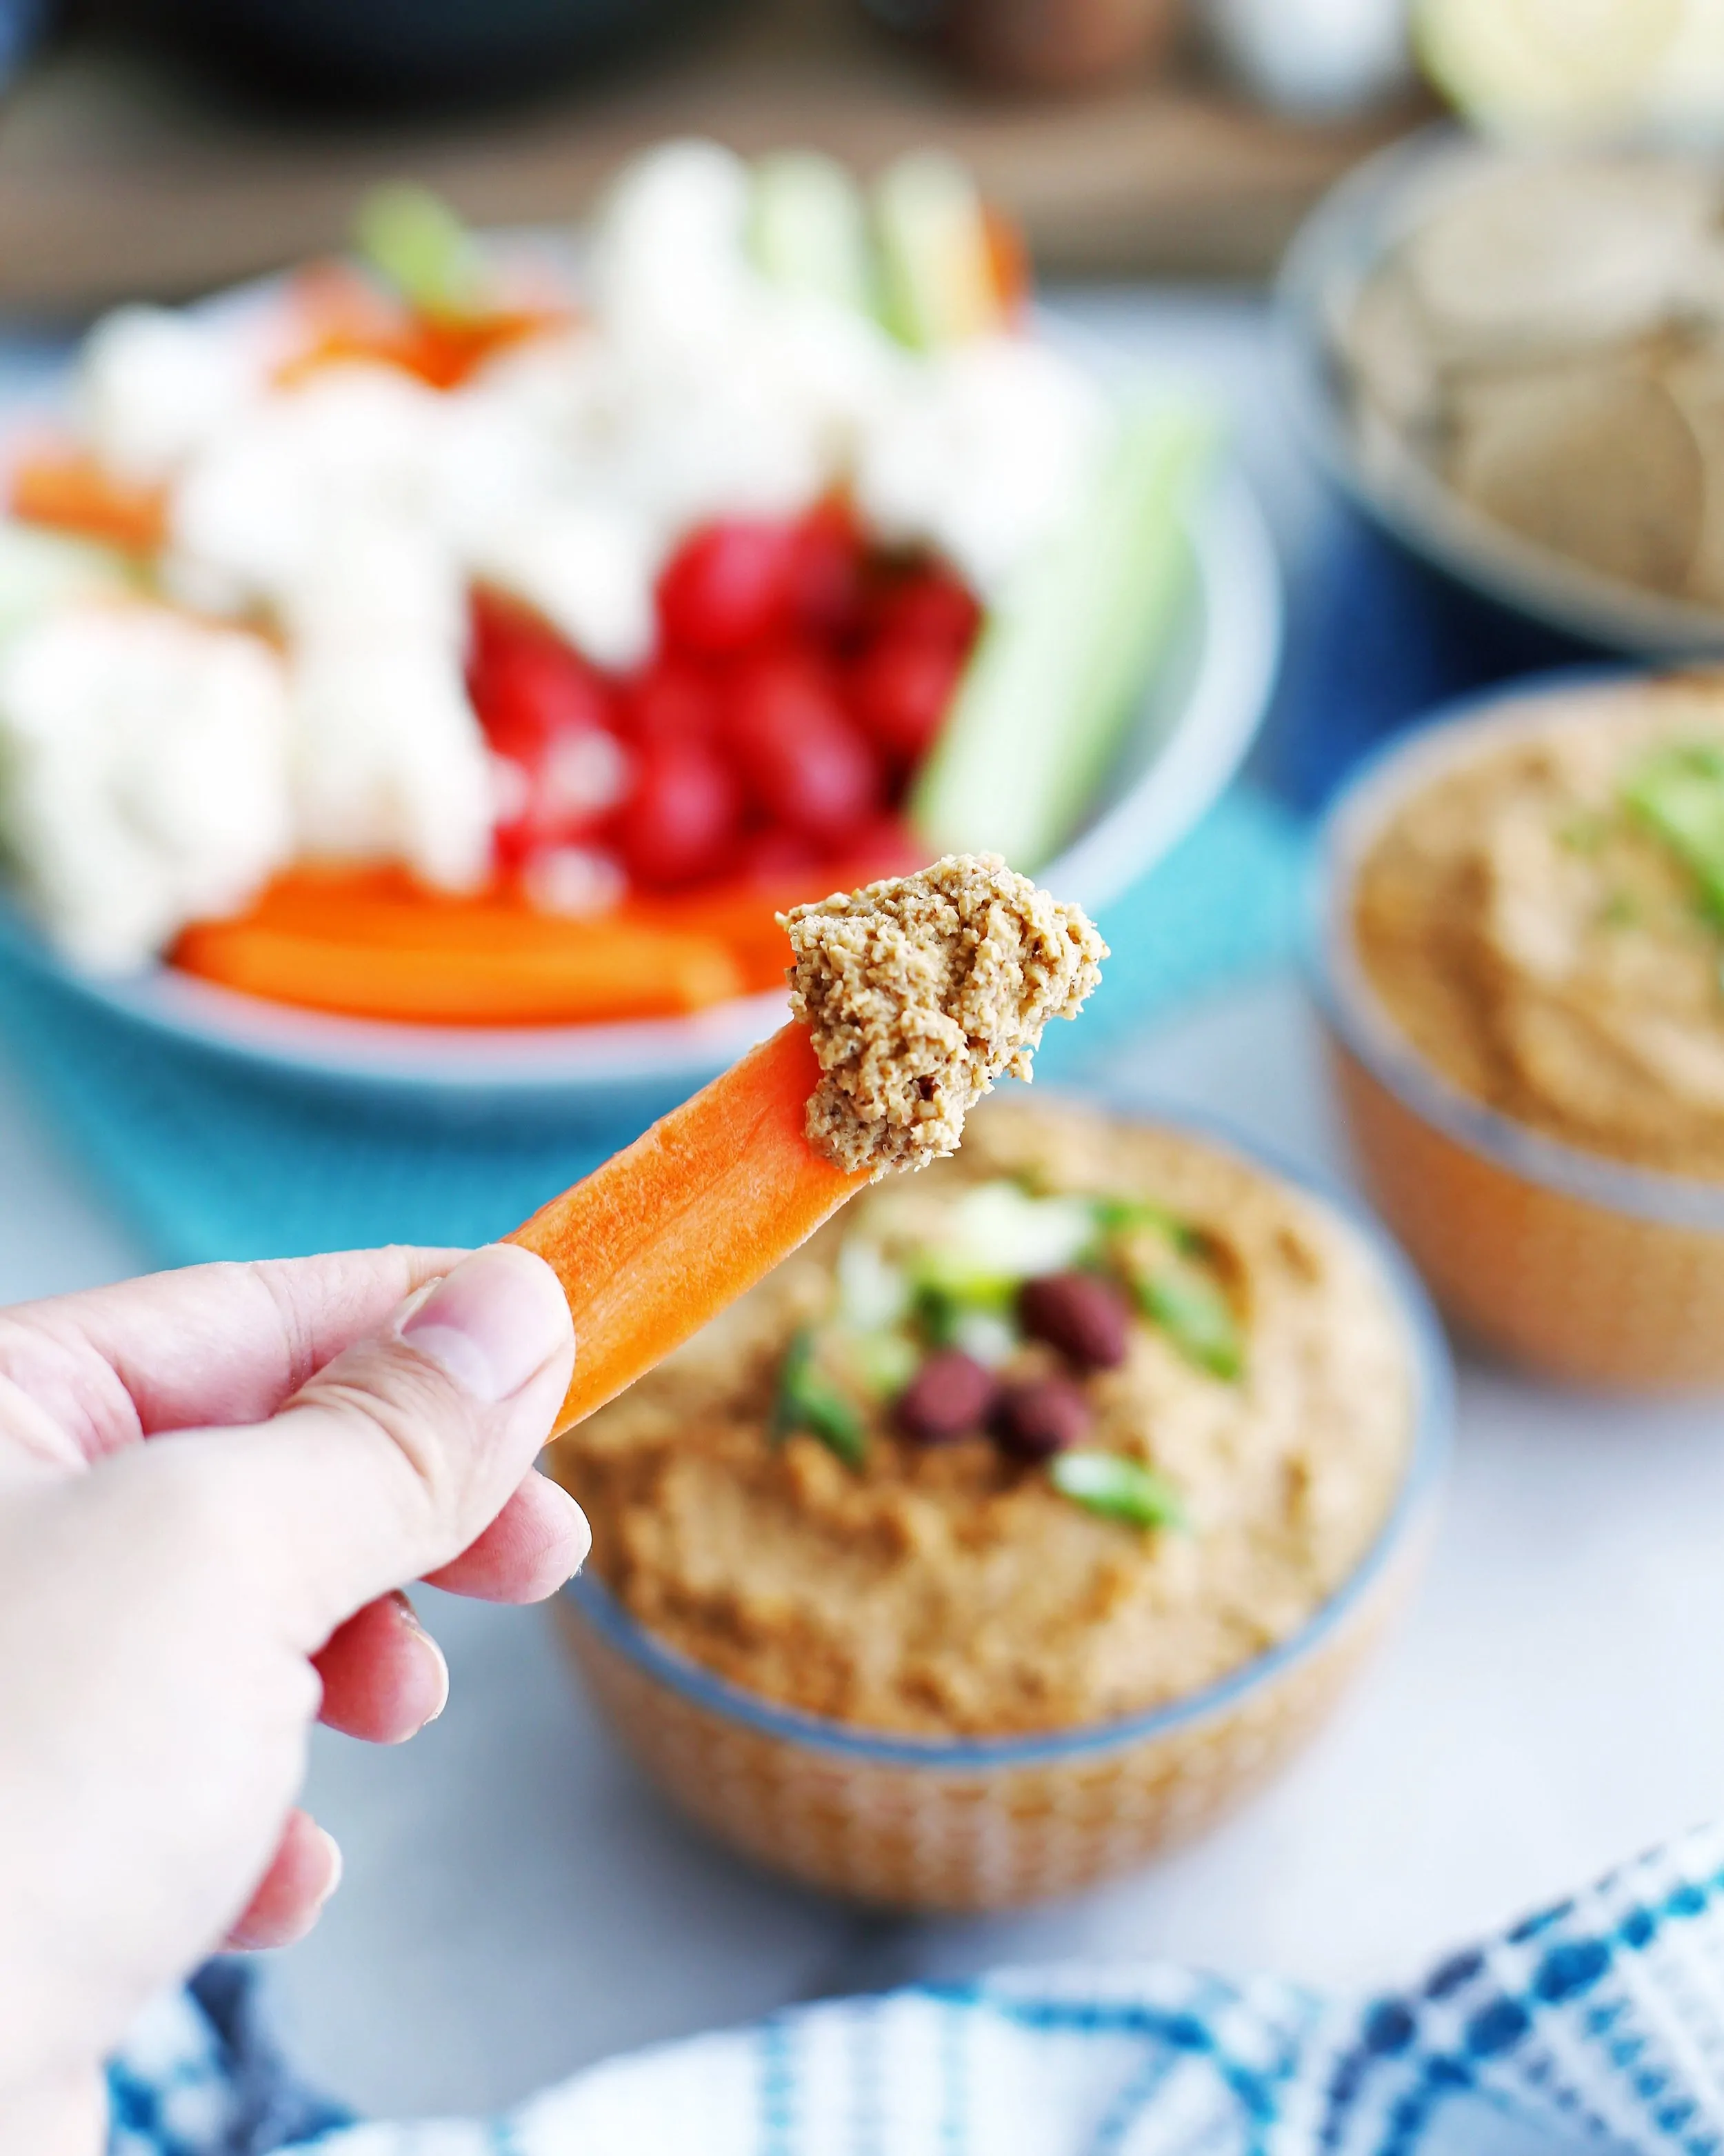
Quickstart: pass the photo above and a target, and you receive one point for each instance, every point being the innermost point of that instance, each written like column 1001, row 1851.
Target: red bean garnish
column 1036, row 1420
column 1085, row 1317
column 950, row 1396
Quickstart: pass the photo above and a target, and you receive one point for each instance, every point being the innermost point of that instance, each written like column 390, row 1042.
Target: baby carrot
column 466, row 969
column 662, row 1236
column 67, row 489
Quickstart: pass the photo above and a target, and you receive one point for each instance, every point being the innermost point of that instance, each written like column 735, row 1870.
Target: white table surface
column 517, row 1903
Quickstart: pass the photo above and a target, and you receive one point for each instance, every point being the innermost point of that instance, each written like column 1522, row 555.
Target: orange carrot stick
column 570, row 973
column 707, row 1203
column 65, row 487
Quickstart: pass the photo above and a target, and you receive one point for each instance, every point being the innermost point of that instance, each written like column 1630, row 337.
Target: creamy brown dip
column 920, row 992
column 1536, row 935
column 935, row 1587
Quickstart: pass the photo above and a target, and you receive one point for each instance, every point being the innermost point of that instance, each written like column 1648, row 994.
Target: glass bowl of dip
column 1535, row 1240
column 930, row 1819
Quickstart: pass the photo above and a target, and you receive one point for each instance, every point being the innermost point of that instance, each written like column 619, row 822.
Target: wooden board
column 121, row 178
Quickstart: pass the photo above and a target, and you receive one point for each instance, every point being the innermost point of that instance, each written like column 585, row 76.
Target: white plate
column 1192, row 732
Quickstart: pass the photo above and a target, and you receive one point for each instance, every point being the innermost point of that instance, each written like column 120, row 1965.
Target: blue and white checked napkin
column 1599, row 2022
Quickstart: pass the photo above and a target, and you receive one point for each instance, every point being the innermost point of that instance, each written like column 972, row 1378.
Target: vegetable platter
column 435, row 670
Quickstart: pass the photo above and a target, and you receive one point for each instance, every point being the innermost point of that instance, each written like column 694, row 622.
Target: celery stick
column 1048, row 695
column 809, row 228
column 935, row 267
column 415, row 240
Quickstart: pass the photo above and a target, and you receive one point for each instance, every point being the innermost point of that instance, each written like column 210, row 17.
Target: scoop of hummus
column 920, row 992
column 1533, row 923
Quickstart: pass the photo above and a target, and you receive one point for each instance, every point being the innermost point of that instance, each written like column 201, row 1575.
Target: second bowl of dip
column 1020, row 1524
column 1521, row 954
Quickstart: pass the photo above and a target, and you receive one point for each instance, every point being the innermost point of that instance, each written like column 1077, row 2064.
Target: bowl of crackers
column 1514, row 361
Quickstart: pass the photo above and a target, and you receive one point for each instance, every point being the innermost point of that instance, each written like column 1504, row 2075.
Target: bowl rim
column 1355, row 1014
column 1221, row 711
column 1327, row 251
column 1425, row 1469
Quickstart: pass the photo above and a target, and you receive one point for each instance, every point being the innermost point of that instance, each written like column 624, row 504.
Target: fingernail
column 493, row 1323
column 338, row 1864
column 409, row 1617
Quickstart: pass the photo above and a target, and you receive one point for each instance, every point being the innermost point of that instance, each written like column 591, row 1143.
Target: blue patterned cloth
column 1596, row 2023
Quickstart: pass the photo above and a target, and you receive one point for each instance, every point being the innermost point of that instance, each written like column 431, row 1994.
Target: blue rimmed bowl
column 969, row 1824
column 1578, row 1267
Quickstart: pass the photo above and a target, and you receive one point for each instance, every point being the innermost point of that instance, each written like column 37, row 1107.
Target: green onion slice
column 1118, row 1488
column 1678, row 795
column 807, row 1402
column 1197, row 1317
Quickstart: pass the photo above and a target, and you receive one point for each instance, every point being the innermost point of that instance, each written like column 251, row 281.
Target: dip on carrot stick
column 911, row 997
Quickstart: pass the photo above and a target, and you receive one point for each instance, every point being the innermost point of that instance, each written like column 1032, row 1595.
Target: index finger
column 210, row 1345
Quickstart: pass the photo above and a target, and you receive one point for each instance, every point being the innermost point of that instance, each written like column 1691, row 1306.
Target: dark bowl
column 414, row 52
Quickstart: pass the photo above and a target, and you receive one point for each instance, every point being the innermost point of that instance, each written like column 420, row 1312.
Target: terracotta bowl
column 1576, row 1266
column 926, row 1823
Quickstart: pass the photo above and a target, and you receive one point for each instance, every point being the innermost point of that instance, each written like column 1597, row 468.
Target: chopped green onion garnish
column 1124, row 1216
column 1621, row 910
column 883, row 1362
column 1584, row 832
column 1678, row 794
column 1197, row 1317
column 1118, row 1488
column 413, row 238
column 807, row 1402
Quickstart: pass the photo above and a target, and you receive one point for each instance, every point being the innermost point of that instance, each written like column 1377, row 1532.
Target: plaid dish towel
column 1599, row 2021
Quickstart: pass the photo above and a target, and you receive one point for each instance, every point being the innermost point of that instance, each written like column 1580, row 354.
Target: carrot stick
column 65, row 487
column 571, row 972
column 741, row 912
column 707, row 1203
column 339, row 317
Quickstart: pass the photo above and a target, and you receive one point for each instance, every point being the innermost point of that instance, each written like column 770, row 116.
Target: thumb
column 402, row 1451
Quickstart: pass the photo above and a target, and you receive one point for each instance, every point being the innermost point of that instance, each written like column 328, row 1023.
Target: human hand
column 213, row 1486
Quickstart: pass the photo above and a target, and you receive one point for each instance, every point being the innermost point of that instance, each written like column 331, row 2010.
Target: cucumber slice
column 808, row 228
column 42, row 570
column 1051, row 686
column 935, row 271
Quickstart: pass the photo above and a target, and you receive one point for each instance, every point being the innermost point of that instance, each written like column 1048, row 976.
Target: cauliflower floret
column 589, row 570
column 251, row 515
column 982, row 452
column 388, row 761
column 143, row 775
column 378, row 578
column 156, row 386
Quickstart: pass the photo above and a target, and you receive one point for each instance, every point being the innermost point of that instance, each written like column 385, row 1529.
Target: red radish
column 801, row 760
column 828, row 573
column 882, row 847
column 728, row 588
column 673, row 699
column 774, row 855
column 900, row 691
column 527, row 685
column 929, row 606
column 681, row 817
column 548, row 716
